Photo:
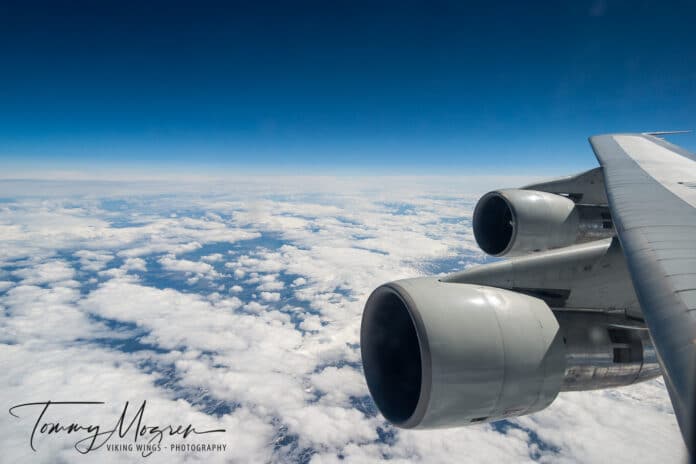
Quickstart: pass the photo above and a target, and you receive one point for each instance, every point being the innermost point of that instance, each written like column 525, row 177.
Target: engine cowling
column 516, row 221
column 442, row 354
column 439, row 354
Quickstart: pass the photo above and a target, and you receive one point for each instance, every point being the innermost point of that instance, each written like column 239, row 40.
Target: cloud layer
column 240, row 309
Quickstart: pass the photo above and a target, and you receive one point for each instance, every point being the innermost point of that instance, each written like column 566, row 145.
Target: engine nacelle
column 439, row 354
column 516, row 221
column 443, row 354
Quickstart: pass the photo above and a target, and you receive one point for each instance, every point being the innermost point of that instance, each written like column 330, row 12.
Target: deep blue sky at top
column 402, row 86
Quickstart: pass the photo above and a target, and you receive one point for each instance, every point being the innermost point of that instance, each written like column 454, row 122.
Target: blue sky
column 394, row 87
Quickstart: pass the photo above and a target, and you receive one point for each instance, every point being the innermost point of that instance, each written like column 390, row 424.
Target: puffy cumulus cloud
column 270, row 296
column 238, row 273
column 330, row 426
column 46, row 273
column 255, row 307
column 338, row 385
column 135, row 264
column 311, row 322
column 93, row 260
column 239, row 308
column 270, row 282
column 170, row 263
column 213, row 258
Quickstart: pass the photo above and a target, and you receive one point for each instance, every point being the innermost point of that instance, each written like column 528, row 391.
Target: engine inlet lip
column 479, row 235
column 397, row 290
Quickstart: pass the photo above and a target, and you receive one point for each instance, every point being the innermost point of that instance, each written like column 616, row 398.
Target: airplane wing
column 651, row 188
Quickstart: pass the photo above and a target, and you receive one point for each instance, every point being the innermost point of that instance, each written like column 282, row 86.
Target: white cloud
column 46, row 273
column 93, row 260
column 135, row 264
column 270, row 282
column 270, row 296
column 255, row 307
column 212, row 258
column 330, row 426
column 170, row 263
column 33, row 314
column 311, row 322
column 338, row 385
column 239, row 274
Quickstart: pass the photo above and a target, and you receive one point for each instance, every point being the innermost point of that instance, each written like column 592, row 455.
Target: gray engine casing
column 515, row 222
column 439, row 354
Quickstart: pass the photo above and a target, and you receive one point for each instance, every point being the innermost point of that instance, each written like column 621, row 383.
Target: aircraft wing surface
column 651, row 188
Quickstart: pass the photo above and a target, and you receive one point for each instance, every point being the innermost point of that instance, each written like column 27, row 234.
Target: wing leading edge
column 651, row 188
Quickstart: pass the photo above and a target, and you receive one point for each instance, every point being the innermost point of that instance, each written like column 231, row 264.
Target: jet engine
column 438, row 354
column 517, row 221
